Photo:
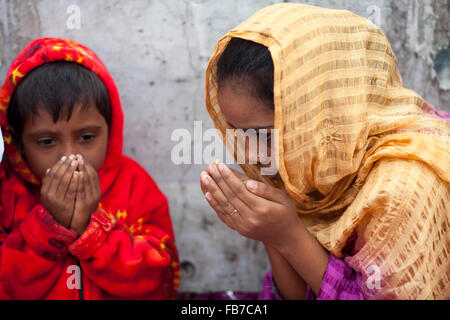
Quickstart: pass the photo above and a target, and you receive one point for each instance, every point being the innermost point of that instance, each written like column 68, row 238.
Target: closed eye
column 46, row 142
column 87, row 137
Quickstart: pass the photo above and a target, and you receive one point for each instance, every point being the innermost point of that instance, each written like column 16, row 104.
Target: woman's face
column 244, row 111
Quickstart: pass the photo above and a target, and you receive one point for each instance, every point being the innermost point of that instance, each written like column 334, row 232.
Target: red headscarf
column 45, row 50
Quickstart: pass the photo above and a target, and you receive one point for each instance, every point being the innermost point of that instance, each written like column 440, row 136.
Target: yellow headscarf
column 351, row 131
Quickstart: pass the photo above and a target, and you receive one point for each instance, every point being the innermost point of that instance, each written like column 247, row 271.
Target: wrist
column 80, row 225
column 306, row 255
column 289, row 240
column 59, row 218
column 78, row 229
column 62, row 222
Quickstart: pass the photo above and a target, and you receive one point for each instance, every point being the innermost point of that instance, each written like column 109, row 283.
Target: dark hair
column 250, row 64
column 55, row 86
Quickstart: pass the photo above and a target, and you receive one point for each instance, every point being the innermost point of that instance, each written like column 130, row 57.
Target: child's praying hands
column 59, row 188
column 87, row 197
column 71, row 192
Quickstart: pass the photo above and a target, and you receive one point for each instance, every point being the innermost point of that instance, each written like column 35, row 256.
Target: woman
column 359, row 208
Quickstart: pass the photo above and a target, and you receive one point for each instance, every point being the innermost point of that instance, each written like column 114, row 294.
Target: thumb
column 265, row 191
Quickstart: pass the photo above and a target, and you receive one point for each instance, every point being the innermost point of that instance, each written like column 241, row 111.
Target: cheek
column 96, row 155
column 39, row 161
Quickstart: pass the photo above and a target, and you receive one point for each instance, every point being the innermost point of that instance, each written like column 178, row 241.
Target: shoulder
column 10, row 181
column 396, row 192
column 402, row 182
column 400, row 200
column 132, row 166
column 138, row 177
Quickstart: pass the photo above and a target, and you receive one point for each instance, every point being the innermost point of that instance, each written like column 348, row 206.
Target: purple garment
column 340, row 282
column 269, row 290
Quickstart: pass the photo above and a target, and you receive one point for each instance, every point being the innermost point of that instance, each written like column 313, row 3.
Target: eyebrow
column 49, row 132
column 91, row 127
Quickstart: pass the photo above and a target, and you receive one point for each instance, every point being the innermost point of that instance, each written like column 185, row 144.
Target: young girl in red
column 78, row 219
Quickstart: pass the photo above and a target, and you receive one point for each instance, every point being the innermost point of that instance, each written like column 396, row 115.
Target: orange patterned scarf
column 352, row 133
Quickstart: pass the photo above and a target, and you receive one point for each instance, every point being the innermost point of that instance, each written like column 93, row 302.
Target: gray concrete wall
column 157, row 52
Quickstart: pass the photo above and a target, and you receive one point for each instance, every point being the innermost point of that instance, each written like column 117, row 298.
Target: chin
column 275, row 176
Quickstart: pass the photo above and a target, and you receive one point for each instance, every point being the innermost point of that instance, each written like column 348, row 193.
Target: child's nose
column 68, row 151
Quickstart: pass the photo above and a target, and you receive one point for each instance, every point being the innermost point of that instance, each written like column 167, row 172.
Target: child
column 78, row 219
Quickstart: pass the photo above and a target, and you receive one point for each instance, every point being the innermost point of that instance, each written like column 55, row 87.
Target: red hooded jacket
column 128, row 249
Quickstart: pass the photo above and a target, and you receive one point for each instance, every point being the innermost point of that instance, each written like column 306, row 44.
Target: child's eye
column 46, row 142
column 87, row 137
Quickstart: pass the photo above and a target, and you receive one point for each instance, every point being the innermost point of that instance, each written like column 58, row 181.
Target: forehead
column 80, row 116
column 242, row 109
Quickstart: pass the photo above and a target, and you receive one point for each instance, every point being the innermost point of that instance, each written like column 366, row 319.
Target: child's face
column 45, row 142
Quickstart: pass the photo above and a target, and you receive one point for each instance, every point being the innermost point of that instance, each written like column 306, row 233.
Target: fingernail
column 221, row 167
column 63, row 158
column 47, row 171
column 71, row 157
column 252, row 185
column 208, row 196
column 74, row 163
column 75, row 174
column 205, row 180
column 211, row 169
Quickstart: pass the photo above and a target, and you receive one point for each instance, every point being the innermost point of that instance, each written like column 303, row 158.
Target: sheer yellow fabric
column 350, row 131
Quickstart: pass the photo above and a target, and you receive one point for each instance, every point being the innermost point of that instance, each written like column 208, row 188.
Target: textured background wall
column 157, row 52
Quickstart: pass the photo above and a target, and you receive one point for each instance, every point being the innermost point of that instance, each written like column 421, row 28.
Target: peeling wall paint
column 157, row 52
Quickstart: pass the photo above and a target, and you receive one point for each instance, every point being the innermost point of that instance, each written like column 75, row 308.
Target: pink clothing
column 340, row 282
